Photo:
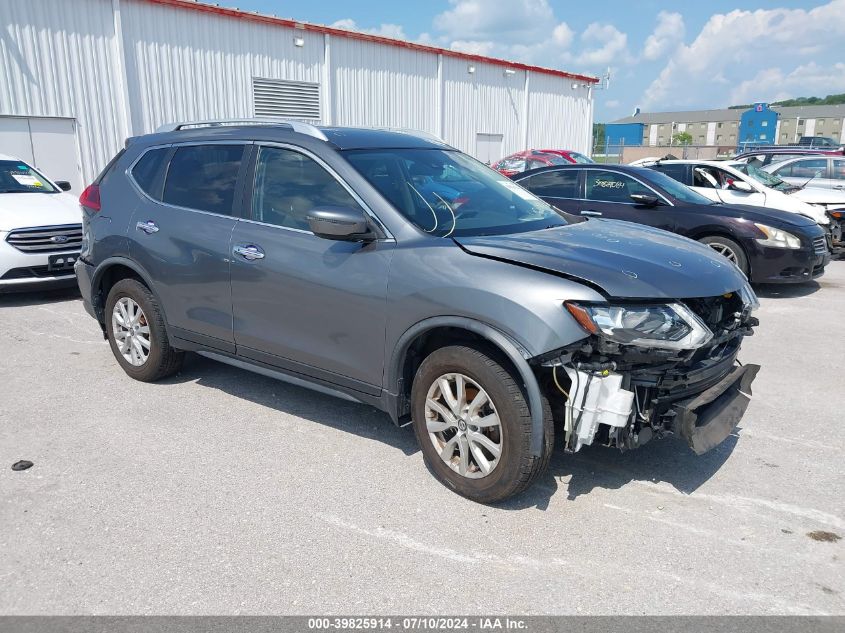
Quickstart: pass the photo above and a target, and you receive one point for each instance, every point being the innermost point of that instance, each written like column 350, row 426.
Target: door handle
column 249, row 252
column 839, row 186
column 591, row 212
column 147, row 227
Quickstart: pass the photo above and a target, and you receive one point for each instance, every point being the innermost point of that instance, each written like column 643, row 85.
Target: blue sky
column 662, row 55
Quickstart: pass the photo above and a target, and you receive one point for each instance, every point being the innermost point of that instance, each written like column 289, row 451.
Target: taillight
column 90, row 198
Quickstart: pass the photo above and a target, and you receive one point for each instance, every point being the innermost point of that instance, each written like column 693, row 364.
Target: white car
column 729, row 183
column 40, row 229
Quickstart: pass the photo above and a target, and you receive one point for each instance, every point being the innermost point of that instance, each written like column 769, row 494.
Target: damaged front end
column 653, row 369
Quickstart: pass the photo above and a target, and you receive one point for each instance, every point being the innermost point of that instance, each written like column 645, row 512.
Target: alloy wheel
column 131, row 331
column 463, row 425
column 725, row 251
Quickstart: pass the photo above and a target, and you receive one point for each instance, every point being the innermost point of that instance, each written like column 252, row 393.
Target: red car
column 535, row 158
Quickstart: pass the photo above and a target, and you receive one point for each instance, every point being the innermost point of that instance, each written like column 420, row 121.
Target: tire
column 161, row 359
column 515, row 469
column 730, row 249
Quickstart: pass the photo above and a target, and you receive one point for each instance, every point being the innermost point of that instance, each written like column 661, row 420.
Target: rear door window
column 203, row 177
column 553, row 184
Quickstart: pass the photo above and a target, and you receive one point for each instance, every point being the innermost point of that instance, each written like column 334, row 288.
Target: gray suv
column 391, row 269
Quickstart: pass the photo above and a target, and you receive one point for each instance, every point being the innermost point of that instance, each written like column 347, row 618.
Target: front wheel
column 474, row 427
column 729, row 249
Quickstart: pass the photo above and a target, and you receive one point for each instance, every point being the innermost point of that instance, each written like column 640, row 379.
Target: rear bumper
column 84, row 278
column 706, row 420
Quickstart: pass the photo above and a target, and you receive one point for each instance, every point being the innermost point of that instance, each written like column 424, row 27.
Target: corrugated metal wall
column 380, row 85
column 124, row 67
column 56, row 59
column 185, row 65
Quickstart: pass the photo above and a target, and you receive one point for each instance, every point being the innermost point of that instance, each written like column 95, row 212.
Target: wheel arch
column 721, row 232
column 108, row 273
column 425, row 336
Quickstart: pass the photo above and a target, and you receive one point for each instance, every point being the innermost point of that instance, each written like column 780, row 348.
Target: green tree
column 681, row 138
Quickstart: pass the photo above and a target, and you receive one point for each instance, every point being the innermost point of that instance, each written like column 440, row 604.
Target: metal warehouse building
column 79, row 76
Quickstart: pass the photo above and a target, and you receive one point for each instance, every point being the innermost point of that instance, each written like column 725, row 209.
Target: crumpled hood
column 626, row 260
column 22, row 210
column 817, row 195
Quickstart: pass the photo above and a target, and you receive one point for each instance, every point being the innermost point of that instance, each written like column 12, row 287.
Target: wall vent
column 286, row 99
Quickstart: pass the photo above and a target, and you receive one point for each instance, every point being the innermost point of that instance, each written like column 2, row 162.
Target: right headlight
column 777, row 238
column 664, row 326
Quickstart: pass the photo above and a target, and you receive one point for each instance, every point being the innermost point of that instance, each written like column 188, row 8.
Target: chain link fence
column 617, row 152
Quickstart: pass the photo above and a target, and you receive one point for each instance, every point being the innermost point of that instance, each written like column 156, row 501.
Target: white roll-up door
column 49, row 144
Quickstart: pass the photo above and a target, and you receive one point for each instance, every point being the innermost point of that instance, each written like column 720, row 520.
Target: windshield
column 18, row 177
column 763, row 177
column 448, row 194
column 581, row 159
column 677, row 190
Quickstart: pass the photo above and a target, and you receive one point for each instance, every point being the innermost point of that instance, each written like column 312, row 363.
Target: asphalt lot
column 224, row 492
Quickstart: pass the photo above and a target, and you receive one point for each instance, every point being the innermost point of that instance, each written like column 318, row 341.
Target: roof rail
column 428, row 136
column 297, row 126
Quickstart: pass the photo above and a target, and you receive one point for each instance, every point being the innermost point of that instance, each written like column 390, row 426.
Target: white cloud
column 385, row 30
column 773, row 84
column 609, row 45
column 494, row 20
column 612, row 103
column 563, row 35
column 668, row 33
column 473, row 46
column 778, row 48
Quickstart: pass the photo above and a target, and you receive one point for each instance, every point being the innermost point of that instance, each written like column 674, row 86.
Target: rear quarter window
column 148, row 172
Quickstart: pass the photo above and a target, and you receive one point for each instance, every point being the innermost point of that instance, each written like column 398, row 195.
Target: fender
column 515, row 352
column 103, row 266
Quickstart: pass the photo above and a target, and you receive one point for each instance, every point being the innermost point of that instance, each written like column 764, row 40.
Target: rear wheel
column 136, row 333
column 729, row 249
column 474, row 427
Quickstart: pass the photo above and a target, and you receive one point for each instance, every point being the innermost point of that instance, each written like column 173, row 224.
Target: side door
column 180, row 234
column 304, row 303
column 837, row 174
column 608, row 195
column 559, row 187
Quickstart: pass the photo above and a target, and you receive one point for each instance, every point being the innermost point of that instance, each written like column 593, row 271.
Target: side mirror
column 64, row 185
column 340, row 223
column 741, row 185
column 645, row 200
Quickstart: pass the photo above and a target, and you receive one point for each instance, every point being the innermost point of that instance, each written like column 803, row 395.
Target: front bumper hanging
column 706, row 420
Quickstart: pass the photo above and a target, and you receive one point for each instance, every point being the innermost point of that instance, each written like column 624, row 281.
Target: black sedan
column 768, row 245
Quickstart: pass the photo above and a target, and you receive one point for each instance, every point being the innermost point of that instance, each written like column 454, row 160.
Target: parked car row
column 391, row 269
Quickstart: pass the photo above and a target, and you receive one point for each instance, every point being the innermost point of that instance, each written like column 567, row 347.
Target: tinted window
column 446, row 193
column 609, row 186
column 203, row 177
column 553, row 184
column 289, row 184
column 808, row 168
column 676, row 172
column 148, row 171
column 838, row 169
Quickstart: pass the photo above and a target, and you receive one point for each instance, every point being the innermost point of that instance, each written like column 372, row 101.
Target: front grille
column 820, row 245
column 47, row 239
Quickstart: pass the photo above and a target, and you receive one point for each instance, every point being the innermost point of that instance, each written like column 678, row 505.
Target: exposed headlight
column 668, row 326
column 777, row 238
